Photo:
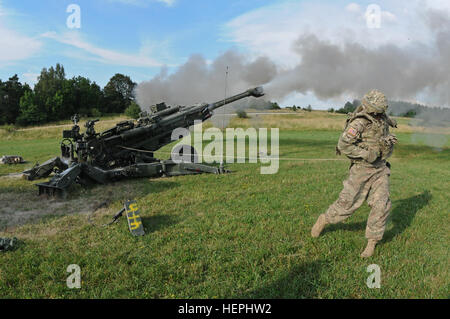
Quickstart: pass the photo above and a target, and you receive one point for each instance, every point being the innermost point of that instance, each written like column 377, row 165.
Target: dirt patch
column 26, row 207
column 12, row 175
column 21, row 211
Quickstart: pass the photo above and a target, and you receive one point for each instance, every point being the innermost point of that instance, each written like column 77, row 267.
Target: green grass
column 242, row 235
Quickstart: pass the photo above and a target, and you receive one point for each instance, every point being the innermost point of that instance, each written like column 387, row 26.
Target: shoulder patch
column 359, row 124
column 351, row 131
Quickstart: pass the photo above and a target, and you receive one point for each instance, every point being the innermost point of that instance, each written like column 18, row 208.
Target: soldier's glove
column 390, row 140
column 387, row 145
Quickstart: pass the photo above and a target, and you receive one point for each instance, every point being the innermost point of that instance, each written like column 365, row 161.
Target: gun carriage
column 126, row 150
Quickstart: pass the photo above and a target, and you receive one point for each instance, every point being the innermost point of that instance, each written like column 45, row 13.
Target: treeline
column 349, row 107
column 401, row 108
column 54, row 97
column 296, row 108
column 405, row 109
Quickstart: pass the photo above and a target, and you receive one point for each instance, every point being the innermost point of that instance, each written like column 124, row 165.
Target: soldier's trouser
column 363, row 183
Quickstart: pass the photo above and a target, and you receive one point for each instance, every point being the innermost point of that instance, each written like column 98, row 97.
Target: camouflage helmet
column 375, row 102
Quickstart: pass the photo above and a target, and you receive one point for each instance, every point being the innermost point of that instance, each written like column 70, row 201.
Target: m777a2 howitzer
column 125, row 150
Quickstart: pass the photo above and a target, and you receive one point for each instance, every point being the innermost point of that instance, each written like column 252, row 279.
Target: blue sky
column 138, row 37
column 166, row 32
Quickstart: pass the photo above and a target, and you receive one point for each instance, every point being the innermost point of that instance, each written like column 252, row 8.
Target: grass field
column 240, row 235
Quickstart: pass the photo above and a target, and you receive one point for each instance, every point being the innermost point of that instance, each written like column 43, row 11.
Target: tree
column 242, row 114
column 118, row 94
column 133, row 110
column 87, row 96
column 50, row 84
column 10, row 94
column 294, row 108
column 55, row 105
column 410, row 113
column 274, row 106
column 356, row 103
column 29, row 110
column 348, row 108
column 309, row 108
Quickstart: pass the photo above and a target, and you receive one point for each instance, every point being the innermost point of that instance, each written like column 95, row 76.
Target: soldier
column 366, row 141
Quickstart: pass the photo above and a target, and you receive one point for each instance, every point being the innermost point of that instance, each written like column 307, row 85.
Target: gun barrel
column 255, row 92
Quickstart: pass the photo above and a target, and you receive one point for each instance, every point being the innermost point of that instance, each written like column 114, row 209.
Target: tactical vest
column 375, row 130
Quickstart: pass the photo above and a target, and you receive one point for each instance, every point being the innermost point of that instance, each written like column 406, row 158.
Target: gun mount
column 125, row 150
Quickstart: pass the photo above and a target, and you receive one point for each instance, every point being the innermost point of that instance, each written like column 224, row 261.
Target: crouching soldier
column 366, row 141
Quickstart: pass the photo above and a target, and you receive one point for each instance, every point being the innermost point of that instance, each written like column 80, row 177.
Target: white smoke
column 325, row 69
column 330, row 70
column 196, row 81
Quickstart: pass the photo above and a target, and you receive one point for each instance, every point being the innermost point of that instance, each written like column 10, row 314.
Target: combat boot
column 319, row 226
column 370, row 248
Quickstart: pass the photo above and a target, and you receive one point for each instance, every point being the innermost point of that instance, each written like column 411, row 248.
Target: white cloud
column 103, row 55
column 353, row 7
column 437, row 4
column 13, row 45
column 271, row 30
column 169, row 3
column 388, row 16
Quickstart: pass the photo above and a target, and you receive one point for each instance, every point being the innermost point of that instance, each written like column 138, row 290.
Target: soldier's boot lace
column 319, row 226
column 370, row 248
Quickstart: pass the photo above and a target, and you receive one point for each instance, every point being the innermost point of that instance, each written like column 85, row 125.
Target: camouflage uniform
column 366, row 141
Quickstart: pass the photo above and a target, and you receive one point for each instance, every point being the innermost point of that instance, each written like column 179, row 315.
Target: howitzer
column 126, row 150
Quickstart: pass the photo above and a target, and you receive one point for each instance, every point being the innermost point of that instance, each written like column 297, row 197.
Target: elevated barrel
column 255, row 92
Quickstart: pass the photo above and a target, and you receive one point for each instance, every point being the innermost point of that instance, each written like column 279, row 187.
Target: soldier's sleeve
column 350, row 138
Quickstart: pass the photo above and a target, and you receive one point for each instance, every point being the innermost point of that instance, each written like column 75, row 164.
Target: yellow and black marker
column 134, row 218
